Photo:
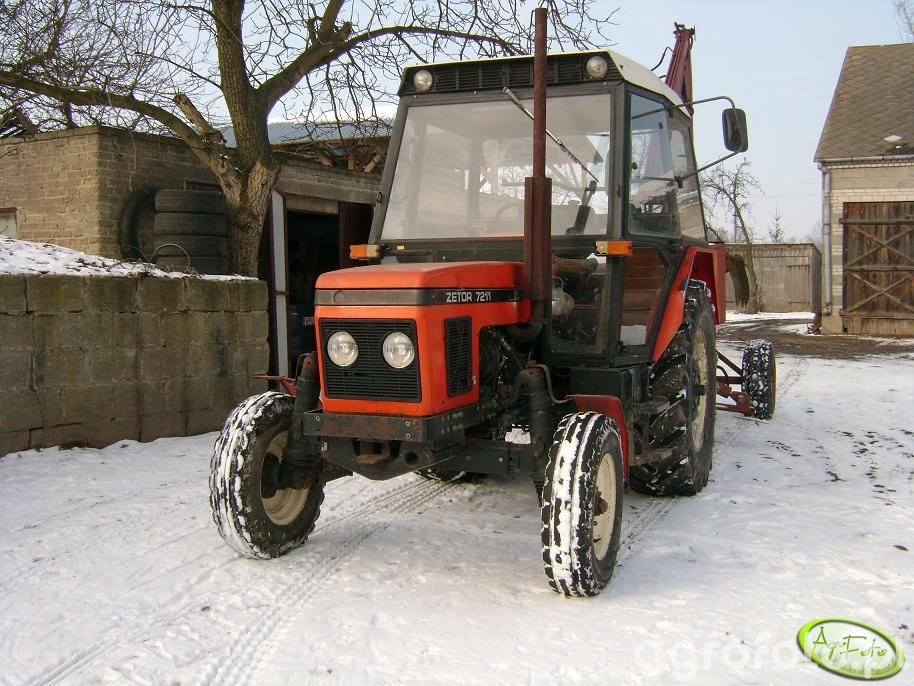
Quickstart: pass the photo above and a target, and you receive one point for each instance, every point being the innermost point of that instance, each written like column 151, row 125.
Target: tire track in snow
column 296, row 585
column 645, row 520
column 116, row 637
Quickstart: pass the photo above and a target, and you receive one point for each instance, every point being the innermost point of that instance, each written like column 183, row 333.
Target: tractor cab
column 620, row 156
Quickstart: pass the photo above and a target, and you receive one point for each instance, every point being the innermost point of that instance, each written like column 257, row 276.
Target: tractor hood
column 453, row 275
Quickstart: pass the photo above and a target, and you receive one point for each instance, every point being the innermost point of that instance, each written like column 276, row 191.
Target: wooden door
column 879, row 268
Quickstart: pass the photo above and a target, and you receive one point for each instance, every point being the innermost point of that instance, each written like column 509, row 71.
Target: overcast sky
column 779, row 60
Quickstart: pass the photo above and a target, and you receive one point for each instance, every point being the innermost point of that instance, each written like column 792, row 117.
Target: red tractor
column 560, row 325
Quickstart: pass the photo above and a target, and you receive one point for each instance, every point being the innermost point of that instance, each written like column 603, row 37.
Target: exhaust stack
column 538, row 191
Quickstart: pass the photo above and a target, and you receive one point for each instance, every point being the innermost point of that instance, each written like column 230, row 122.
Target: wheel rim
column 286, row 504
column 604, row 506
column 701, row 404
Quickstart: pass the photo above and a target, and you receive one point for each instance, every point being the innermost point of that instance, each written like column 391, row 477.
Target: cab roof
column 517, row 72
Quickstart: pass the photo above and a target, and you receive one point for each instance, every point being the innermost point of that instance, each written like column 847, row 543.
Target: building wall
column 69, row 187
column 789, row 277
column 93, row 360
column 882, row 181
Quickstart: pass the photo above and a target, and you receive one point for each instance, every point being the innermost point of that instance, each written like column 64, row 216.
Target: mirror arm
column 680, row 179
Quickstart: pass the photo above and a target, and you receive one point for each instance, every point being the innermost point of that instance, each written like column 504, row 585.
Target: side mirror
column 736, row 134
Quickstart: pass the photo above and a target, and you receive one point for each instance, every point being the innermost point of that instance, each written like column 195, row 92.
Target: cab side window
column 652, row 208
column 688, row 198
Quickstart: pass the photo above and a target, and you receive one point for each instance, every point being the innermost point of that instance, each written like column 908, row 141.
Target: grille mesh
column 370, row 377
column 457, row 341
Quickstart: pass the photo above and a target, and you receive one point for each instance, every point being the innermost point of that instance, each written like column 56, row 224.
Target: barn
column 866, row 156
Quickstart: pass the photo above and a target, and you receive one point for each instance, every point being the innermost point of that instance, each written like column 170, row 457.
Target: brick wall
column 69, row 187
column 874, row 182
column 91, row 360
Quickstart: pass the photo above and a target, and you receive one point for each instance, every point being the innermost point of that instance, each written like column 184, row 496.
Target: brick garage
column 69, row 187
column 91, row 360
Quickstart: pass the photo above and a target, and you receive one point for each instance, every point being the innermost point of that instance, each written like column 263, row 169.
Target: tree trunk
column 248, row 200
column 752, row 304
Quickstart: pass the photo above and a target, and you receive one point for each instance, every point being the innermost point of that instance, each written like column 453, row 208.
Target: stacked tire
column 190, row 231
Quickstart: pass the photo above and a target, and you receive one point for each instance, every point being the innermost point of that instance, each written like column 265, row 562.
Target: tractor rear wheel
column 684, row 384
column 760, row 377
column 254, row 512
column 582, row 504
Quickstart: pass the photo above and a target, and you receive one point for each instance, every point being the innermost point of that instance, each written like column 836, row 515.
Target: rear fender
column 703, row 263
column 610, row 406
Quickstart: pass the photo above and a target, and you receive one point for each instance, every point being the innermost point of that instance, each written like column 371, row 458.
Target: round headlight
column 422, row 79
column 342, row 349
column 399, row 350
column 597, row 67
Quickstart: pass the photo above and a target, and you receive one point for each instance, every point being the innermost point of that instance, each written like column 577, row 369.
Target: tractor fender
column 703, row 263
column 610, row 406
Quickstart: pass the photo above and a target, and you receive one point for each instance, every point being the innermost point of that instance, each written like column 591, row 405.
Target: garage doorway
column 298, row 247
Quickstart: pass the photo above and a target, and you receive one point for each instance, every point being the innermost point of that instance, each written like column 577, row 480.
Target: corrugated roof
column 874, row 99
column 292, row 132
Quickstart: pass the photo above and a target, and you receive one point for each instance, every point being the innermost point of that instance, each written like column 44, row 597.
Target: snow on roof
column 27, row 257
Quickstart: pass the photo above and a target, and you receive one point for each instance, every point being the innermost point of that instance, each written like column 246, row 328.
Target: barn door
column 879, row 267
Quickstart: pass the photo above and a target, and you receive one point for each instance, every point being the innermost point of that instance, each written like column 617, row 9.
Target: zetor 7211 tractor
column 539, row 297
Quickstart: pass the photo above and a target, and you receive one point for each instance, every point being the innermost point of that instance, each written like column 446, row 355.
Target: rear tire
column 582, row 504
column 683, row 380
column 254, row 515
column 760, row 377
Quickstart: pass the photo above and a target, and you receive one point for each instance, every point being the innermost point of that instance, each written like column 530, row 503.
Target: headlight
column 423, row 80
column 399, row 350
column 597, row 67
column 342, row 349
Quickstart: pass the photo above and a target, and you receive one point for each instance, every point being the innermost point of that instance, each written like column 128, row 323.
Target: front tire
column 582, row 504
column 760, row 377
column 253, row 512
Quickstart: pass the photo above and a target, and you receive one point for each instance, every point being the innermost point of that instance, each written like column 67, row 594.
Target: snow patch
column 27, row 257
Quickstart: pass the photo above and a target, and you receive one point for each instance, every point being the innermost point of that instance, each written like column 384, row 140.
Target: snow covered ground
column 111, row 570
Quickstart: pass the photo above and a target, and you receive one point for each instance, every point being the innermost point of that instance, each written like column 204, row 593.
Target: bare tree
column 181, row 66
column 729, row 190
column 775, row 230
column 904, row 15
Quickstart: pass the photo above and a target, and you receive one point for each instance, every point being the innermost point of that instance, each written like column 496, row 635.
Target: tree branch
column 96, row 97
column 314, row 57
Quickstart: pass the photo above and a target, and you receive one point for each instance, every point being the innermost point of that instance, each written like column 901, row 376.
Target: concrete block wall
column 92, row 360
column 889, row 181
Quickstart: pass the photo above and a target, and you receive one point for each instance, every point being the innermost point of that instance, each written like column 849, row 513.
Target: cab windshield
column 460, row 169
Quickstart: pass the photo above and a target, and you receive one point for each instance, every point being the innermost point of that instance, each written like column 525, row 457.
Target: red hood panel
column 436, row 275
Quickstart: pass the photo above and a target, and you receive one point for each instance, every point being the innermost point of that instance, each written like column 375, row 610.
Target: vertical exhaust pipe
column 538, row 192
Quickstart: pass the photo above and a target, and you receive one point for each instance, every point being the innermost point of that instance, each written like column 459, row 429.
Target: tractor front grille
column 370, row 377
column 457, row 352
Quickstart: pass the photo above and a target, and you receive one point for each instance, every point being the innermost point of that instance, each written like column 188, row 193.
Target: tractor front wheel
column 582, row 504
column 254, row 511
column 760, row 377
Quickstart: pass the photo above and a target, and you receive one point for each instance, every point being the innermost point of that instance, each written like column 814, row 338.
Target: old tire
column 189, row 225
column 200, row 246
column 245, row 462
column 197, row 202
column 684, row 384
column 582, row 504
column 760, row 377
